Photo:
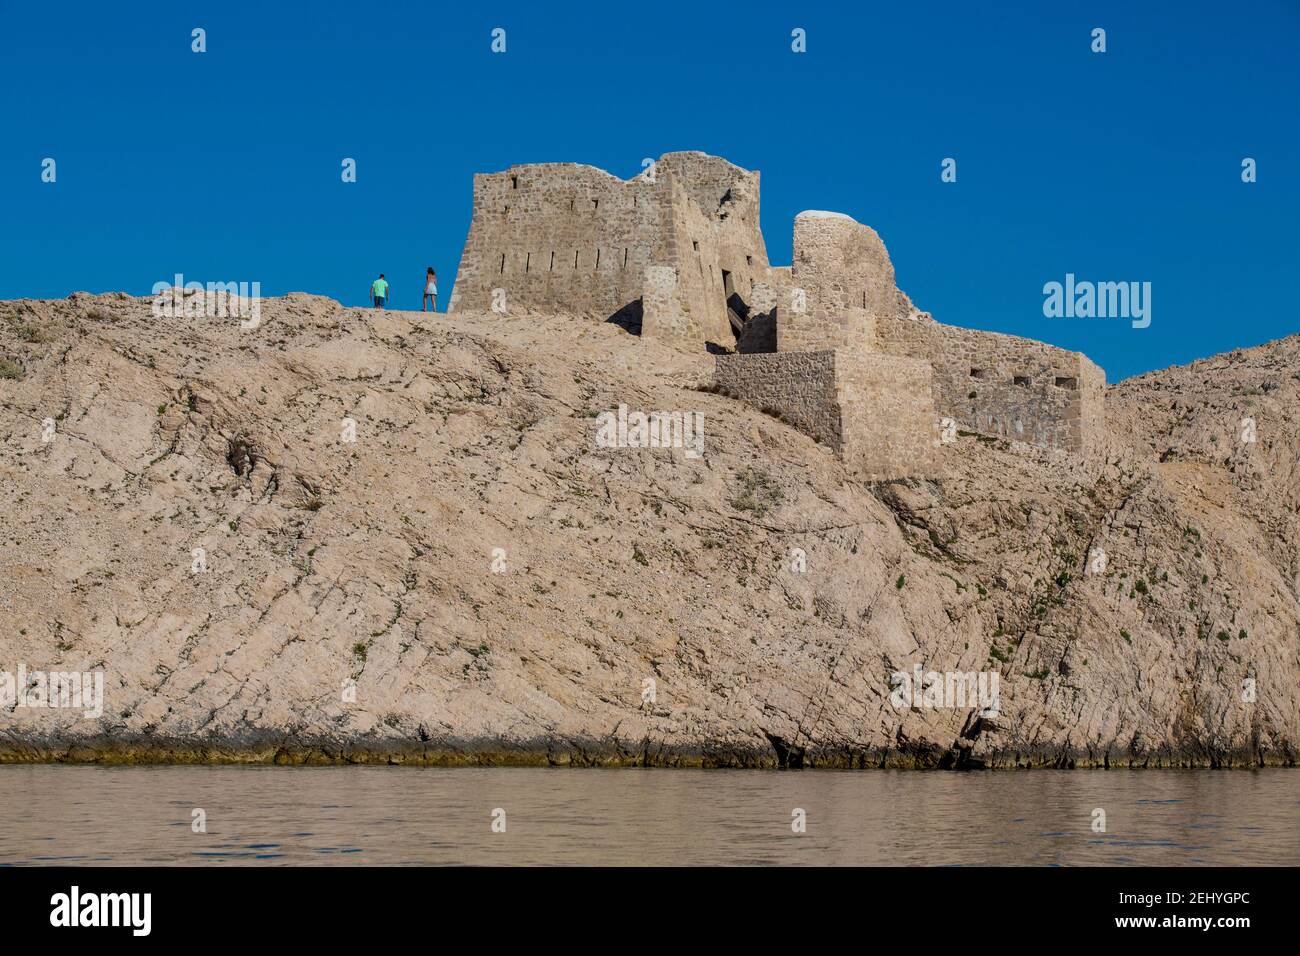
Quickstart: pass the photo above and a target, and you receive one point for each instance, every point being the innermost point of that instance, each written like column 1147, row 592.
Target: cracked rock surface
column 413, row 550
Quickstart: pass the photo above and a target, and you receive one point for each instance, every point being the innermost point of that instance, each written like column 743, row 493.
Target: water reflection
column 337, row 816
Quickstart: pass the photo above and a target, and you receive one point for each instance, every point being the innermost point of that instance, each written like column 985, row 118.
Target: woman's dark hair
column 431, row 272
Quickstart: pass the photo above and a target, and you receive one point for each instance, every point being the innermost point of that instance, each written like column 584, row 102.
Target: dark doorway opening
column 737, row 309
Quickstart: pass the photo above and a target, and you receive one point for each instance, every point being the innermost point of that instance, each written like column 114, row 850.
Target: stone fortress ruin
column 829, row 343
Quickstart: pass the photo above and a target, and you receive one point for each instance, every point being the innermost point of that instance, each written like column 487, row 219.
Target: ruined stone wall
column 1003, row 385
column 663, row 317
column 889, row 428
column 797, row 386
column 876, row 412
column 559, row 237
column 759, row 333
column 675, row 251
column 841, row 281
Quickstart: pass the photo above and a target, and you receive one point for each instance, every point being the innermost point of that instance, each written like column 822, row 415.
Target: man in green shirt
column 379, row 291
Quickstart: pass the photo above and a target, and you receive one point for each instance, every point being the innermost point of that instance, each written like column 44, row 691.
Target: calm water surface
column 340, row 816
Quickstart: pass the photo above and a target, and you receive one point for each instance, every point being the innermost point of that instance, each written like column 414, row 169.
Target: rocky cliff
column 348, row 535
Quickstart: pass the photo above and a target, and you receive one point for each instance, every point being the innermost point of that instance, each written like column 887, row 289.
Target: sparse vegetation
column 30, row 332
column 758, row 492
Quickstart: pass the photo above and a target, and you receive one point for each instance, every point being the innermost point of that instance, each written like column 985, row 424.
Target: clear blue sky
column 1119, row 166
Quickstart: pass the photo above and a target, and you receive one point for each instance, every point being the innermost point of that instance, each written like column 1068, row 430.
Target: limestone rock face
column 350, row 535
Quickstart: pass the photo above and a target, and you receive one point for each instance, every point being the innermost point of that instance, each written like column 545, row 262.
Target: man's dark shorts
column 380, row 300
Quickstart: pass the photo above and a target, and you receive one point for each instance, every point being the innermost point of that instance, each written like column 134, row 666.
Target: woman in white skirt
column 431, row 290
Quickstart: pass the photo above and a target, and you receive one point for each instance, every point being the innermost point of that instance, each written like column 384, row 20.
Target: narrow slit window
column 503, row 262
column 528, row 262
column 695, row 246
column 552, row 260
column 514, row 182
column 597, row 259
column 624, row 258
column 575, row 258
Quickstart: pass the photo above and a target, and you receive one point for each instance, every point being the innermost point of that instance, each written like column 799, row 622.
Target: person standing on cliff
column 431, row 289
column 379, row 291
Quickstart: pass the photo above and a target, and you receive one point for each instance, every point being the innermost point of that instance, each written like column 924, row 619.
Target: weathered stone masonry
column 559, row 237
column 1006, row 386
column 828, row 343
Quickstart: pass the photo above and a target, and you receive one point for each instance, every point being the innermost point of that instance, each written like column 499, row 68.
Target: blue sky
column 225, row 166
